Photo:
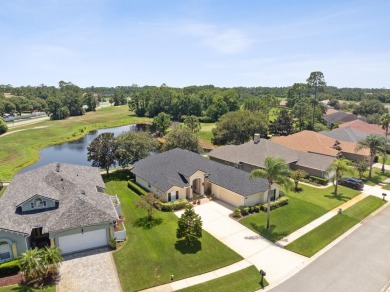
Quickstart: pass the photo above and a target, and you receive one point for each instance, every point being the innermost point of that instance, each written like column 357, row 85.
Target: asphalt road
column 359, row 263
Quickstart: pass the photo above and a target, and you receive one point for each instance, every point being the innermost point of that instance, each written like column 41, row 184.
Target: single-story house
column 313, row 142
column 252, row 155
column 338, row 117
column 345, row 134
column 364, row 127
column 179, row 174
column 61, row 205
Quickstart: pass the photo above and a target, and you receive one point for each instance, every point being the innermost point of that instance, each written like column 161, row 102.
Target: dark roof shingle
column 174, row 168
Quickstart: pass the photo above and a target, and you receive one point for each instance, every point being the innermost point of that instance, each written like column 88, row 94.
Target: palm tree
column 374, row 143
column 32, row 265
column 385, row 123
column 52, row 259
column 337, row 170
column 275, row 170
column 383, row 154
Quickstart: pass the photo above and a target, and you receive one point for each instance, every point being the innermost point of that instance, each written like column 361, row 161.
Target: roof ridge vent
column 57, row 167
column 82, row 192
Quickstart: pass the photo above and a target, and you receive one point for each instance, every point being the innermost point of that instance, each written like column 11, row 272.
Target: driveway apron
column 89, row 271
column 274, row 260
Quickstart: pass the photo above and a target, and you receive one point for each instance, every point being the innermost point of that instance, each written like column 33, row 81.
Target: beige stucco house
column 179, row 174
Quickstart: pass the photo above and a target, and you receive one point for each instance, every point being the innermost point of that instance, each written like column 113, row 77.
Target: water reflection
column 76, row 151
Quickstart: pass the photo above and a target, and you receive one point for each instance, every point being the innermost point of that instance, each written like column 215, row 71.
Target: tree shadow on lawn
column 338, row 197
column 147, row 223
column 269, row 234
column 181, row 246
column 117, row 175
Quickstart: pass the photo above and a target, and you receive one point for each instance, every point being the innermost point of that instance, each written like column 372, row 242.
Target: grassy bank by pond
column 19, row 149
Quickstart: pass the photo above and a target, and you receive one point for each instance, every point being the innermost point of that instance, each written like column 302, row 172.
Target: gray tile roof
column 74, row 208
column 174, row 167
column 340, row 117
column 345, row 134
column 255, row 154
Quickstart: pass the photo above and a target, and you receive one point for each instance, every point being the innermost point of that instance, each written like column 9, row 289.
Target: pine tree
column 189, row 226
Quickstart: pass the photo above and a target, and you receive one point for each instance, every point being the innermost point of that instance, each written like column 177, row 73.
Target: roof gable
column 174, row 168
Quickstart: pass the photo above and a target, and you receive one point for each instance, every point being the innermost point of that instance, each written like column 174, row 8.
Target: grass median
column 303, row 208
column 245, row 280
column 21, row 146
column 151, row 253
column 312, row 242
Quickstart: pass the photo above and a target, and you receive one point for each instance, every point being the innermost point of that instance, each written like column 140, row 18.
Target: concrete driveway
column 275, row 261
column 89, row 271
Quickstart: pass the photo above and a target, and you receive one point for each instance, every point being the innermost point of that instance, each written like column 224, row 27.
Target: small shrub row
column 245, row 210
column 9, row 268
column 319, row 180
column 282, row 201
column 136, row 188
column 173, row 206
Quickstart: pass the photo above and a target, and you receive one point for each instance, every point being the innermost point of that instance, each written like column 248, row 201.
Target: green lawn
column 205, row 132
column 380, row 160
column 20, row 149
column 303, row 207
column 386, row 187
column 376, row 177
column 312, row 242
column 245, row 280
column 152, row 254
column 274, row 113
column 2, row 191
column 19, row 288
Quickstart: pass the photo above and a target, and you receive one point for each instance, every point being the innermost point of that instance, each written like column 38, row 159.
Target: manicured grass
column 20, row 149
column 386, row 187
column 151, row 254
column 205, row 132
column 303, row 207
column 20, row 288
column 2, row 191
column 245, row 280
column 284, row 220
column 380, row 160
column 312, row 242
column 376, row 177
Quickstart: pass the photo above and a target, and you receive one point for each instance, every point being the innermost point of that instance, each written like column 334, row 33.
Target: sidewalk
column 314, row 224
column 256, row 250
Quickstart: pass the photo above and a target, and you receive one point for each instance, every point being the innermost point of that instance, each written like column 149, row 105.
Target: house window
column 32, row 205
column 44, row 203
column 5, row 251
column 177, row 195
column 149, row 186
column 273, row 193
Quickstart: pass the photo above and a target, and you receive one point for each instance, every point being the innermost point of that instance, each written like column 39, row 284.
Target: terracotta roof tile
column 364, row 127
column 314, row 142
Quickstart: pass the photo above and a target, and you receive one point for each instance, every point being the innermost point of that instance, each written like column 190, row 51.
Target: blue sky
column 181, row 43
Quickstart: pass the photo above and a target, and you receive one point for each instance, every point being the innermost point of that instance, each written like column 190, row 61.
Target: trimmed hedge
column 140, row 191
column 173, row 206
column 319, row 180
column 275, row 204
column 9, row 268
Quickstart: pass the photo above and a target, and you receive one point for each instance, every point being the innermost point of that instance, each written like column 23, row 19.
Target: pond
column 76, row 152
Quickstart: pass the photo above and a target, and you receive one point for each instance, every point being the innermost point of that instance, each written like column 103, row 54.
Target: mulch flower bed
column 10, row 280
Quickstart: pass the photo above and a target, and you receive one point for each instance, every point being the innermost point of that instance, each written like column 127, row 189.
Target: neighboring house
column 313, row 142
column 331, row 111
column 178, row 174
column 338, row 117
column 283, row 103
column 364, row 127
column 59, row 205
column 252, row 155
column 345, row 134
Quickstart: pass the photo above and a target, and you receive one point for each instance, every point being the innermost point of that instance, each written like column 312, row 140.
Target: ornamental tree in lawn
column 189, row 226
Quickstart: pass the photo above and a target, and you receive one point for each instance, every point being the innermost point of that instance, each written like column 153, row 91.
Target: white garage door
column 81, row 241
